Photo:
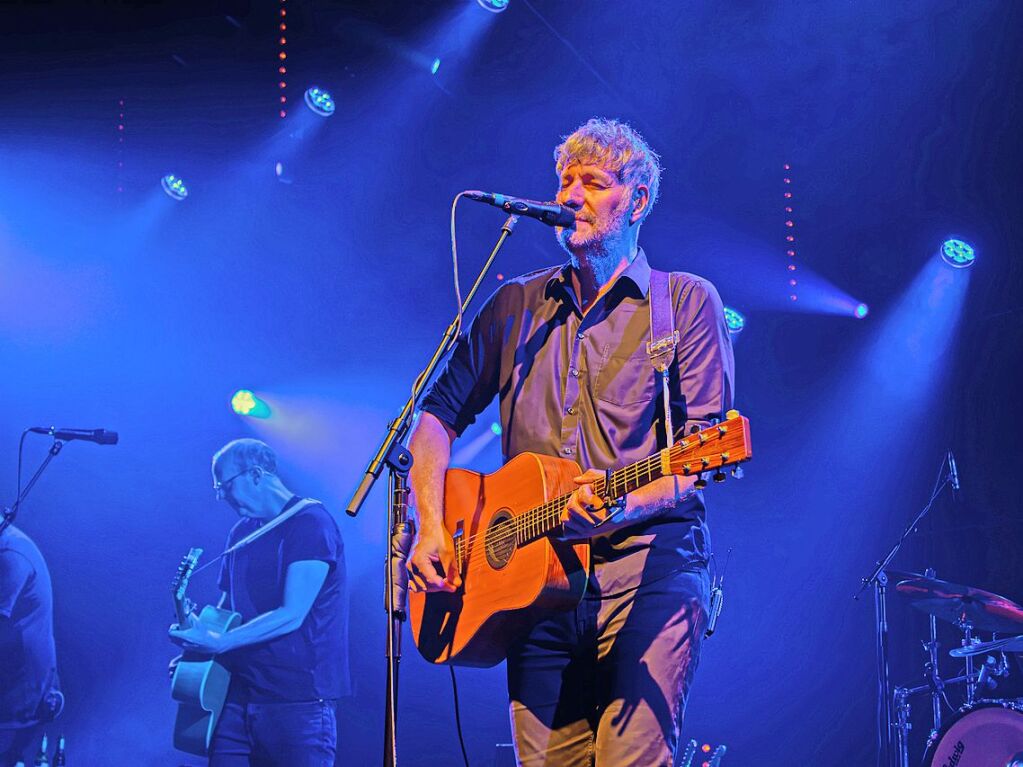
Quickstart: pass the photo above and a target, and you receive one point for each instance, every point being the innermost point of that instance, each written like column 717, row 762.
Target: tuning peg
column 700, row 483
column 737, row 472
column 732, row 414
column 719, row 476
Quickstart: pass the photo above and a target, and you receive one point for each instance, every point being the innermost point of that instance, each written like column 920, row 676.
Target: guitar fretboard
column 697, row 453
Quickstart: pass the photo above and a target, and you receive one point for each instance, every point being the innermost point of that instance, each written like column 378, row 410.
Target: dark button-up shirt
column 583, row 387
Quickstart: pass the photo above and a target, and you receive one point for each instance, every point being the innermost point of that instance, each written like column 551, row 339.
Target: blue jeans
column 606, row 684
column 302, row 734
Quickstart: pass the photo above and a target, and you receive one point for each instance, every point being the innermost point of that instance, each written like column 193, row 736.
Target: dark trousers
column 251, row 734
column 606, row 684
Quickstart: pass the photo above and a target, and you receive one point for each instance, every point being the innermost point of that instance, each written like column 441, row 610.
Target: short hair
column 615, row 146
column 246, row 453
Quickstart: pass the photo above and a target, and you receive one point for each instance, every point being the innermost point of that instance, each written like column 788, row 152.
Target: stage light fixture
column 494, row 6
column 319, row 101
column 496, row 428
column 174, row 187
column 957, row 254
column 244, row 402
column 735, row 321
column 861, row 311
column 434, row 66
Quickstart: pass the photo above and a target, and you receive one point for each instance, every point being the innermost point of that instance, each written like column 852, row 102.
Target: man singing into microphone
column 565, row 348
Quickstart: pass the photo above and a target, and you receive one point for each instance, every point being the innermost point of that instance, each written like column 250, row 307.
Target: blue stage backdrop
column 310, row 263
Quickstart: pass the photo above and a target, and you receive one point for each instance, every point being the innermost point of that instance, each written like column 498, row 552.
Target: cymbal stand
column 971, row 679
column 933, row 671
column 902, row 725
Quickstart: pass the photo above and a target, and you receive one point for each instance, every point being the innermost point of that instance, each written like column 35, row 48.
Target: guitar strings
column 539, row 520
column 533, row 523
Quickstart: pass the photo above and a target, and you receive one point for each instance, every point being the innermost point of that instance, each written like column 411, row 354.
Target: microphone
column 99, row 436
column 953, row 472
column 549, row 213
column 717, row 599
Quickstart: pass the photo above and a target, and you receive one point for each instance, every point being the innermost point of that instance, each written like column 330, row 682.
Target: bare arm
column 584, row 511
column 302, row 584
column 431, row 563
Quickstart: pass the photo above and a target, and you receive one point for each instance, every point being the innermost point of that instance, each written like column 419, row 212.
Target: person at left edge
column 289, row 657
column 30, row 692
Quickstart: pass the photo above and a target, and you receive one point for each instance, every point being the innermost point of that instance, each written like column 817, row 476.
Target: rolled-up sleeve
column 705, row 361
column 469, row 380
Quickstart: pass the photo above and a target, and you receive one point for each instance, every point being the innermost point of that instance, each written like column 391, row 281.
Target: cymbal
column 1006, row 644
column 955, row 603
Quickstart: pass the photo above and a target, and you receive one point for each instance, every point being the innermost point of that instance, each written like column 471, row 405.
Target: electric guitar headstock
column 723, row 444
column 183, row 606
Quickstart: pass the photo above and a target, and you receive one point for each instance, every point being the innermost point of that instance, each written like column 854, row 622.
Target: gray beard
column 602, row 256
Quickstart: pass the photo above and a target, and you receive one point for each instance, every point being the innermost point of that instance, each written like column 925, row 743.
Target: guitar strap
column 663, row 340
column 278, row 520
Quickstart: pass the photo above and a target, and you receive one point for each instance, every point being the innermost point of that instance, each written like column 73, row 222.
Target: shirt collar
column 638, row 273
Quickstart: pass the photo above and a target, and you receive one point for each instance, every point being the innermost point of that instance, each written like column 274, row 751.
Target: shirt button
column 566, row 450
column 573, row 372
column 580, row 336
column 571, row 411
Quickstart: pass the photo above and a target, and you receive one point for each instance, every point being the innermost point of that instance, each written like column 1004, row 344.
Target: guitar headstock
column 180, row 583
column 724, row 444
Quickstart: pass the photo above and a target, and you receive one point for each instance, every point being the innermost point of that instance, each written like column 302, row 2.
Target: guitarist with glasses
column 288, row 659
column 582, row 358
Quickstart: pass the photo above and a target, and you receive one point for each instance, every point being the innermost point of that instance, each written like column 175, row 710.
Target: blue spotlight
column 496, row 428
column 861, row 311
column 494, row 6
column 244, row 402
column 735, row 321
column 319, row 101
column 434, row 66
column 957, row 253
column 174, row 187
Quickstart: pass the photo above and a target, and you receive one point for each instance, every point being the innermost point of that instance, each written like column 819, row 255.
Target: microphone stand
column 398, row 460
column 879, row 580
column 8, row 514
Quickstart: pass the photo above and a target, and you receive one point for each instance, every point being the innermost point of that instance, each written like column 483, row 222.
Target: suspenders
column 663, row 340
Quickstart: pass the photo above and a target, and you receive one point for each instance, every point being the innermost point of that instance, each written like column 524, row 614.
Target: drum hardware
column 878, row 581
column 1005, row 644
column 967, row 608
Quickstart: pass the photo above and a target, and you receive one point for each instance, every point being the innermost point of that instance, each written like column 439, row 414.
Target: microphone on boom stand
column 550, row 213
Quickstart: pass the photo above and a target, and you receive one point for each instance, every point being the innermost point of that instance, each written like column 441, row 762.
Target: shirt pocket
column 625, row 380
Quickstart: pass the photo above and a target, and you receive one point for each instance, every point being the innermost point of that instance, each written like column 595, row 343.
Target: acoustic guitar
column 199, row 683
column 514, row 572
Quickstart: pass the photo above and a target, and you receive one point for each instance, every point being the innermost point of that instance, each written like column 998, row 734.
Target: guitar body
column 506, row 587
column 200, row 685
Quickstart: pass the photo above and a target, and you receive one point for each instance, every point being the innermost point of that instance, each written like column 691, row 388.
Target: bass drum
column 989, row 734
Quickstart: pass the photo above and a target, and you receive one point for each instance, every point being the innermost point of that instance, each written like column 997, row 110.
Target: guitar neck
column 719, row 445
column 543, row 519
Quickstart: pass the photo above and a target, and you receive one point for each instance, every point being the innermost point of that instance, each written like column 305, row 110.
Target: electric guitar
column 513, row 571
column 199, row 683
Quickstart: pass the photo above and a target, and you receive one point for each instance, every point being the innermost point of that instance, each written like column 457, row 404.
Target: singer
column 566, row 351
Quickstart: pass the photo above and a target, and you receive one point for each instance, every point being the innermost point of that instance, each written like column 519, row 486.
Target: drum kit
column 983, row 731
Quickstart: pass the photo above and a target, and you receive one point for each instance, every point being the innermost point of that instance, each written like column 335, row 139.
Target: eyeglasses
column 220, row 488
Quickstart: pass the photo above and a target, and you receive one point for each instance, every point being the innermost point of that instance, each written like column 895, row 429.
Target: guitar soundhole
column 500, row 540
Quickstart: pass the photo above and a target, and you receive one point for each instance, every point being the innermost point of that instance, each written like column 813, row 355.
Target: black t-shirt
column 28, row 660
column 312, row 661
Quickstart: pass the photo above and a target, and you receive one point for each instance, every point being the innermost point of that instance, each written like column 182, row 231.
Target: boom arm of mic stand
column 399, row 427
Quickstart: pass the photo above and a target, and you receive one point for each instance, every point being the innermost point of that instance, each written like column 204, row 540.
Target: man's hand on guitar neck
column 431, row 563
column 585, row 510
column 587, row 515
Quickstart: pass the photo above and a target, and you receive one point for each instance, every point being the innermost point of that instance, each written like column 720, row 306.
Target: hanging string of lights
column 790, row 232
column 282, row 59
